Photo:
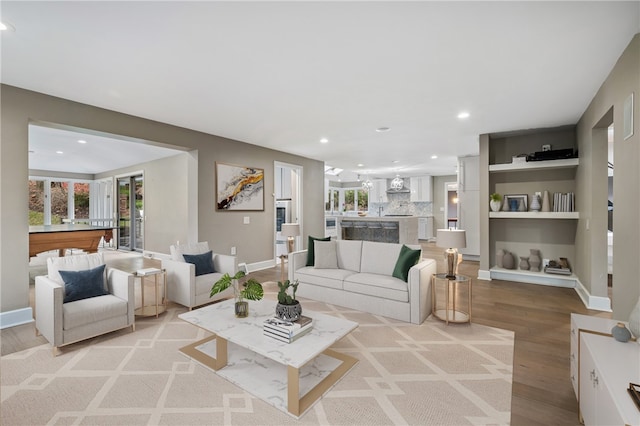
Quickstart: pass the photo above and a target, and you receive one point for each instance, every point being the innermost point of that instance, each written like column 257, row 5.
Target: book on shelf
column 148, row 271
column 560, row 267
column 288, row 329
column 286, row 339
column 563, row 202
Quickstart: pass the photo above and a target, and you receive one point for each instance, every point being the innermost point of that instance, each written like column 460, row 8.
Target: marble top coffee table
column 289, row 376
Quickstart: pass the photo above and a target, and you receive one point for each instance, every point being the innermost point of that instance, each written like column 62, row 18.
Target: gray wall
column 591, row 193
column 254, row 241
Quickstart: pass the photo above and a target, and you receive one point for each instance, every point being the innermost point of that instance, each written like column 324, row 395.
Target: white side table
column 147, row 276
column 451, row 310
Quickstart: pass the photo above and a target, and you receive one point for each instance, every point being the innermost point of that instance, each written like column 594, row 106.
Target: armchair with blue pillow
column 81, row 298
column 192, row 271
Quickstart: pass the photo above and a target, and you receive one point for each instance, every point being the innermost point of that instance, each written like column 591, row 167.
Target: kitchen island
column 385, row 229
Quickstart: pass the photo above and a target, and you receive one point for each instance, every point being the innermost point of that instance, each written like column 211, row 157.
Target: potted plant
column 495, row 202
column 288, row 308
column 251, row 290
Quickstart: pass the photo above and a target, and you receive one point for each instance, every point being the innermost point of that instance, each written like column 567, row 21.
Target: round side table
column 450, row 289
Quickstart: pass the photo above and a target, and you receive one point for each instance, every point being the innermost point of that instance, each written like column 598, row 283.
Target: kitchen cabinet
column 283, row 183
column 378, row 192
column 420, row 188
column 469, row 204
column 425, row 228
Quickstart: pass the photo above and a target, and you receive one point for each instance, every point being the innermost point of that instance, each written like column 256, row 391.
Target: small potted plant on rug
column 288, row 308
column 495, row 202
column 251, row 290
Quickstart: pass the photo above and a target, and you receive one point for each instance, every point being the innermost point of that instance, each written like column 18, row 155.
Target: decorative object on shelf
column 516, row 202
column 534, row 260
column 251, row 290
column 621, row 333
column 495, row 202
column 546, row 204
column 508, row 261
column 452, row 239
column 524, row 263
column 535, row 202
column 634, row 321
column 288, row 308
column 499, row 257
column 560, row 267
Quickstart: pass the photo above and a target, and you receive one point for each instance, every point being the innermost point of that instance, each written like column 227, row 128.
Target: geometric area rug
column 407, row 374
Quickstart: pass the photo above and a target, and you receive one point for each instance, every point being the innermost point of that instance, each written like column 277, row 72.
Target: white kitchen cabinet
column 425, row 228
column 469, row 204
column 378, row 192
column 469, row 173
column 420, row 189
column 603, row 368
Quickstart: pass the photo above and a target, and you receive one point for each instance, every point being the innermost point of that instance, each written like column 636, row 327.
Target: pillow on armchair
column 80, row 285
column 203, row 262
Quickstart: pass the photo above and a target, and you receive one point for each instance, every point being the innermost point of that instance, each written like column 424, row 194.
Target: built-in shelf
column 530, row 166
column 542, row 278
column 534, row 215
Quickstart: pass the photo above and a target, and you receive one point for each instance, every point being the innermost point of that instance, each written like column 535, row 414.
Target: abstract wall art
column 239, row 188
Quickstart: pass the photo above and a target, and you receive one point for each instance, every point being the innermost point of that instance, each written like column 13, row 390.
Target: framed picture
column 515, row 203
column 239, row 188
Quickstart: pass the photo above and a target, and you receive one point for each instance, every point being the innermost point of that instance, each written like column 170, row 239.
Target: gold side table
column 451, row 289
column 160, row 291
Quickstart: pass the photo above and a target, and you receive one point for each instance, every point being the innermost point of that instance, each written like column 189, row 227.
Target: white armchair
column 187, row 289
column 64, row 323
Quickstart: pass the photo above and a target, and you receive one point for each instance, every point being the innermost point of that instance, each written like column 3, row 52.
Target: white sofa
column 187, row 289
column 363, row 280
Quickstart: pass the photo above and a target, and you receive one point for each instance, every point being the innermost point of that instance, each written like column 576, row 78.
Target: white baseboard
column 16, row 317
column 258, row 266
column 484, row 275
column 597, row 303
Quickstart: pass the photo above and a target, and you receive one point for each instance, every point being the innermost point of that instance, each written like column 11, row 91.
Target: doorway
column 288, row 200
column 451, row 205
column 131, row 212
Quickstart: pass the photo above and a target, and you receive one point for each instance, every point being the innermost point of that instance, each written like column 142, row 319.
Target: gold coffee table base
column 295, row 404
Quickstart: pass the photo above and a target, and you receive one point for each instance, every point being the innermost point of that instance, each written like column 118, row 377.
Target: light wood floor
column 539, row 316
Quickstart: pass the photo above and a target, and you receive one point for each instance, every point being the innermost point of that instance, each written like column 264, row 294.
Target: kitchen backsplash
column 402, row 207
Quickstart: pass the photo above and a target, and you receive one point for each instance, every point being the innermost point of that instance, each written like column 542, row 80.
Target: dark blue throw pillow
column 203, row 262
column 80, row 285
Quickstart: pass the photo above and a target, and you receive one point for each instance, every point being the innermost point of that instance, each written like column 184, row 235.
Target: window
column 50, row 201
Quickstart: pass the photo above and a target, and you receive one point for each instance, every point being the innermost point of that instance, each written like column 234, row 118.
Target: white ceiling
column 286, row 74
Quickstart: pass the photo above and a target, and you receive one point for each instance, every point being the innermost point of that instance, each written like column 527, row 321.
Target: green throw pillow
column 406, row 259
column 310, row 251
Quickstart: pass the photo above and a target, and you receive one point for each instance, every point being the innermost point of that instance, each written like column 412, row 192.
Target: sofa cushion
column 325, row 255
column 349, row 253
column 205, row 282
column 203, row 262
column 379, row 258
column 331, row 278
column 406, row 259
column 80, row 285
column 80, row 262
column 383, row 286
column 310, row 249
column 178, row 250
column 87, row 311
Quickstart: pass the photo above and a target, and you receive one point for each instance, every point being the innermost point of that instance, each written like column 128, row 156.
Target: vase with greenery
column 288, row 308
column 495, row 201
column 250, row 289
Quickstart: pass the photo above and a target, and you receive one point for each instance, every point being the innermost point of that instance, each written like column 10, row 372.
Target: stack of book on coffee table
column 287, row 331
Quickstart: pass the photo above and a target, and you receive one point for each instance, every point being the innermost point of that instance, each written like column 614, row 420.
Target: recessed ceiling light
column 324, row 140
column 59, row 152
column 82, row 141
column 360, row 165
column 5, row 26
column 395, row 161
column 463, row 115
column 433, row 157
column 383, row 129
